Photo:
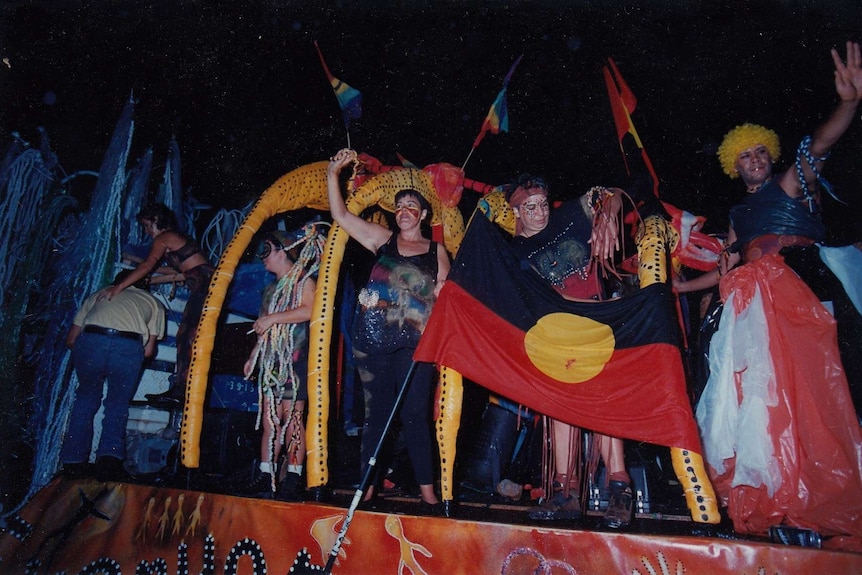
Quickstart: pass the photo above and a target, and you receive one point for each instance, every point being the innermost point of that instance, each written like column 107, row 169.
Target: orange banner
column 87, row 527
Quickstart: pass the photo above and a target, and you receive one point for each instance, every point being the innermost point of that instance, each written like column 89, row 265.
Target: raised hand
column 340, row 159
column 848, row 77
column 605, row 238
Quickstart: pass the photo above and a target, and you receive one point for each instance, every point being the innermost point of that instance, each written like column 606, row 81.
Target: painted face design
column 534, row 213
column 412, row 210
column 408, row 208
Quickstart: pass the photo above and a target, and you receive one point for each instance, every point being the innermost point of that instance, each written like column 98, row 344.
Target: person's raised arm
column 369, row 234
column 848, row 85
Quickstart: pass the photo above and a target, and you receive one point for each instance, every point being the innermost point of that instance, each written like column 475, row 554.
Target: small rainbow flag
column 497, row 119
column 349, row 99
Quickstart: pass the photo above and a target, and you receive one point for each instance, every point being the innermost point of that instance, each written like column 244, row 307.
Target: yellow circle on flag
column 569, row 348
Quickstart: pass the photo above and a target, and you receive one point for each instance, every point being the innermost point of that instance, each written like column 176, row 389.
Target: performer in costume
column 281, row 358
column 780, row 432
column 185, row 257
column 558, row 246
column 393, row 309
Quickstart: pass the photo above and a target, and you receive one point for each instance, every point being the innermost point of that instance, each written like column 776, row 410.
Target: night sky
column 240, row 85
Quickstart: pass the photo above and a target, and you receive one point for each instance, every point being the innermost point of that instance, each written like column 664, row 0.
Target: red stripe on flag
column 640, row 394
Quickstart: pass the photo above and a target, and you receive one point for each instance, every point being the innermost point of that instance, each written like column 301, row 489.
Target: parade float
column 175, row 514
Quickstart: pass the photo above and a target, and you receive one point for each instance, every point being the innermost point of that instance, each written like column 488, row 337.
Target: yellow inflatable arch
column 305, row 187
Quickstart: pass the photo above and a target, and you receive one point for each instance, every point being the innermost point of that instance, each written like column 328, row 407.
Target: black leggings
column 382, row 376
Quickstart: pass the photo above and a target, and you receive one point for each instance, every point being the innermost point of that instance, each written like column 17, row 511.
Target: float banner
column 614, row 367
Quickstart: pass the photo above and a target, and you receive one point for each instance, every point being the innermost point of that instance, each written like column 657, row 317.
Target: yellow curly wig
column 741, row 138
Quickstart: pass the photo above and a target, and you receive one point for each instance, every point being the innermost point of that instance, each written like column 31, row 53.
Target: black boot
column 259, row 487
column 558, row 508
column 619, row 512
column 291, row 488
column 173, row 397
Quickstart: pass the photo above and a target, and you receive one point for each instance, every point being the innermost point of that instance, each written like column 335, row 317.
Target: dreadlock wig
column 277, row 351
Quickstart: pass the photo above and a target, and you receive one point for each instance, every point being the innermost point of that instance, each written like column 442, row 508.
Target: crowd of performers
column 779, row 414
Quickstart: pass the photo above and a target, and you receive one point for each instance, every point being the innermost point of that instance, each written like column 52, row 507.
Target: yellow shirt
column 132, row 309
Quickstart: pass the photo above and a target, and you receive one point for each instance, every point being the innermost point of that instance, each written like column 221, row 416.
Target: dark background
column 240, row 85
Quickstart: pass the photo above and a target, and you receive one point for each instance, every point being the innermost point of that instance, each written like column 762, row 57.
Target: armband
column 804, row 151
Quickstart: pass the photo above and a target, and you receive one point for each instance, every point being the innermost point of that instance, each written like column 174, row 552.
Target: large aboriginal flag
column 613, row 367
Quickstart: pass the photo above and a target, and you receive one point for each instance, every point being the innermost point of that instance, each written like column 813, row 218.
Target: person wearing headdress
column 393, row 308
column 558, row 246
column 280, row 361
column 780, row 432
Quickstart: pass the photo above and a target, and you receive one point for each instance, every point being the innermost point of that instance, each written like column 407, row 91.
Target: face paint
column 409, row 209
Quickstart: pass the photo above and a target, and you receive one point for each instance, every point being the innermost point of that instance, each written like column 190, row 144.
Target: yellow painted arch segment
column 302, row 187
column 305, row 187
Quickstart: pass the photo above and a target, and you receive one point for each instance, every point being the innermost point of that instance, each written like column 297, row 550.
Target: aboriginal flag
column 614, row 367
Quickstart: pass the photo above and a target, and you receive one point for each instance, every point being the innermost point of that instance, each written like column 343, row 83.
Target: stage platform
column 86, row 526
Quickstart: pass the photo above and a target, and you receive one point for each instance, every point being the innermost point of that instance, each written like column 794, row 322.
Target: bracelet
column 597, row 195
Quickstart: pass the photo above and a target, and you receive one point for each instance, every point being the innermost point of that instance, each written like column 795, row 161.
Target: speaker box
column 229, row 441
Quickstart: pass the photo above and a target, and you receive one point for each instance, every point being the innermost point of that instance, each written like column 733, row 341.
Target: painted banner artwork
column 91, row 527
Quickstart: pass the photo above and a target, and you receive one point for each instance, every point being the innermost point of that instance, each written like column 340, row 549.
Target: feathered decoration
column 171, row 190
column 27, row 220
column 136, row 197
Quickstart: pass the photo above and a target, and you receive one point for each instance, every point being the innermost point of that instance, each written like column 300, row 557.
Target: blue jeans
column 98, row 358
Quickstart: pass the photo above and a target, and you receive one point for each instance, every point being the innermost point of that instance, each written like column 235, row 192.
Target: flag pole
column 468, row 158
column 369, row 471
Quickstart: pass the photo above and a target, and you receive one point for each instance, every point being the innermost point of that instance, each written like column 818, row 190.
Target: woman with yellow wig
column 780, row 433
